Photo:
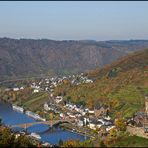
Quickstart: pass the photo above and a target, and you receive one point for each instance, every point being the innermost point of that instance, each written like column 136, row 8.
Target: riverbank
column 10, row 138
column 11, row 117
column 77, row 130
column 36, row 142
column 72, row 128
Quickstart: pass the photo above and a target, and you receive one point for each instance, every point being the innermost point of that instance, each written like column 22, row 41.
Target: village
column 94, row 119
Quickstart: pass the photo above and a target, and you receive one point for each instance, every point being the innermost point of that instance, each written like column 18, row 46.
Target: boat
column 17, row 108
column 35, row 135
column 31, row 114
column 34, row 115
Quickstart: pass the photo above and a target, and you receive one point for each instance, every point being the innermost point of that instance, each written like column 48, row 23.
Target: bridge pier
column 25, row 128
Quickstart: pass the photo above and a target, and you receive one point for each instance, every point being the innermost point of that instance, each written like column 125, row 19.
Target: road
column 21, row 79
column 82, row 130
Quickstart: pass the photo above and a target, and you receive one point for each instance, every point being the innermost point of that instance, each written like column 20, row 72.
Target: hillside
column 121, row 85
column 28, row 57
column 131, row 141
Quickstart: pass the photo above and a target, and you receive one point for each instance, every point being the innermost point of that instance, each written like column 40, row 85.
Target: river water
column 11, row 117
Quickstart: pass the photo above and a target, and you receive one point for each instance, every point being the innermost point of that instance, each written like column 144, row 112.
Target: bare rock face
column 27, row 57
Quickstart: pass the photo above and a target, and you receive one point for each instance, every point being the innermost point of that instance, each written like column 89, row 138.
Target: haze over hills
column 28, row 57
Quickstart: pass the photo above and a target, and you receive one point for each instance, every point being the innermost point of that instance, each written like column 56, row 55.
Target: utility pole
column 26, row 128
column 51, row 120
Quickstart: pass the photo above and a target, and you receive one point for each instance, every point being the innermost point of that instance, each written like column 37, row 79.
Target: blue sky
column 74, row 20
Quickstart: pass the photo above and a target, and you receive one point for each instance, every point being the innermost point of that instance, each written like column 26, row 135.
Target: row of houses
column 14, row 89
column 138, row 119
column 98, row 111
column 82, row 119
column 49, row 84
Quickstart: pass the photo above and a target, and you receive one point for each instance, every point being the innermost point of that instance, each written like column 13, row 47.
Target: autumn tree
column 78, row 143
column 71, row 143
column 13, row 96
column 113, row 132
column 120, row 124
column 90, row 103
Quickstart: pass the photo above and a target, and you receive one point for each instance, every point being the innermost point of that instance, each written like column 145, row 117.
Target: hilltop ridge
column 35, row 57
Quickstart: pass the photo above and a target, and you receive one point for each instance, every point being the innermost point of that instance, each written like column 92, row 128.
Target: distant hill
column 28, row 57
column 121, row 85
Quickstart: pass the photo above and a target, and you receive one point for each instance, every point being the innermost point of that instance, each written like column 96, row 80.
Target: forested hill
column 28, row 57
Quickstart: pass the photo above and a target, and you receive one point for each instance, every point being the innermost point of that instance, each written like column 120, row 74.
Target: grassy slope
column 132, row 141
column 125, row 88
column 35, row 101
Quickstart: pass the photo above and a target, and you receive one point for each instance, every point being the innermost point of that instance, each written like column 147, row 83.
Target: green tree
column 60, row 142
column 102, row 144
column 23, row 141
column 7, row 138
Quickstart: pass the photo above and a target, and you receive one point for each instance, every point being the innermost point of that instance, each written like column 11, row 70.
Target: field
column 35, row 102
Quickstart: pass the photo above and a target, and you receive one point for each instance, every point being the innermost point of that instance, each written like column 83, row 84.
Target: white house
column 109, row 128
column 107, row 118
column 88, row 81
column 17, row 135
column 21, row 88
column 61, row 115
column 98, row 125
column 78, row 115
column 83, row 113
column 72, row 116
column 58, row 100
column 35, row 91
column 91, row 111
column 101, row 120
column 47, row 82
column 80, row 122
column 46, row 107
column 92, row 126
column 15, row 89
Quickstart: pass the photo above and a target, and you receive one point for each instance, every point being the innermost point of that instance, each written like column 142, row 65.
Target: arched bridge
column 50, row 123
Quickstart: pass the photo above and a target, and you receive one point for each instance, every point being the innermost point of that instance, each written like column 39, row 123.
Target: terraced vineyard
column 121, row 85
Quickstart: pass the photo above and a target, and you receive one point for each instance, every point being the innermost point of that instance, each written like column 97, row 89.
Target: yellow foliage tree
column 113, row 132
column 120, row 124
column 13, row 96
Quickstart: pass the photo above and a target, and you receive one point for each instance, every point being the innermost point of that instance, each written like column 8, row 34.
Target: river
column 11, row 117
